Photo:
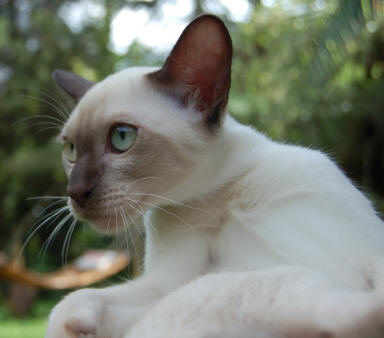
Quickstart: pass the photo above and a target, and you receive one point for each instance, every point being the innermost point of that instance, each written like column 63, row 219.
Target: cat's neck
column 234, row 153
column 222, row 182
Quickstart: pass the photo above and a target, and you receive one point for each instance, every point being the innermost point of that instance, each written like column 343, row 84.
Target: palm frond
column 340, row 33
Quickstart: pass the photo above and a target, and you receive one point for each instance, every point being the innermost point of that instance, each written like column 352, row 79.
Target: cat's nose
column 80, row 193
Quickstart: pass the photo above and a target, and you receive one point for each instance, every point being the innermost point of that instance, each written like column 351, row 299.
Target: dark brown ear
column 74, row 85
column 198, row 69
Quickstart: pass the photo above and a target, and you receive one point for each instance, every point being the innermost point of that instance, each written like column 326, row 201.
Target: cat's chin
column 103, row 222
column 100, row 224
column 102, row 227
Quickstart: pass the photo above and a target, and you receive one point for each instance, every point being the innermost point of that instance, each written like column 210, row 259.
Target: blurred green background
column 309, row 72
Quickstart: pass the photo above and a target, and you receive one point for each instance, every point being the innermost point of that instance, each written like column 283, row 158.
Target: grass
column 21, row 328
column 32, row 326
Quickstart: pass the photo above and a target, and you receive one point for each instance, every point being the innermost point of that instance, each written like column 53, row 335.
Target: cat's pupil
column 122, row 134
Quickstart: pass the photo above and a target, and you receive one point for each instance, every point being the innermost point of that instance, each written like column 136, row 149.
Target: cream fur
column 265, row 240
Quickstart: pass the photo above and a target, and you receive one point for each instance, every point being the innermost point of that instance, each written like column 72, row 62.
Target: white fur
column 274, row 241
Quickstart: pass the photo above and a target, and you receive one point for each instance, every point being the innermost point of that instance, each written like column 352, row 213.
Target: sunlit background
column 309, row 72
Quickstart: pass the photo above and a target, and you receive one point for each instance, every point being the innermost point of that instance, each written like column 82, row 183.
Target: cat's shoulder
column 294, row 156
column 275, row 167
column 273, row 155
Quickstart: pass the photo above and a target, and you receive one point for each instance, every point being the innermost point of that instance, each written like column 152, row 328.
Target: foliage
column 307, row 79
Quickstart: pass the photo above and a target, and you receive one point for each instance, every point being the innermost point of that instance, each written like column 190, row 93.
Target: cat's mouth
column 106, row 218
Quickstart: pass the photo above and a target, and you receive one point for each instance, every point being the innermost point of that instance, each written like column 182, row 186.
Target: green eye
column 122, row 137
column 69, row 151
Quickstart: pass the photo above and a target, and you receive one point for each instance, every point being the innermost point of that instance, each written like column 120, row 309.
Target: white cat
column 245, row 237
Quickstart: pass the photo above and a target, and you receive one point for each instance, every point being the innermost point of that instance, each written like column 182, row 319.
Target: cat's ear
column 198, row 69
column 74, row 85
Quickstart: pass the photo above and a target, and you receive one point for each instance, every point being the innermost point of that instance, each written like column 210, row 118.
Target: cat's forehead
column 126, row 97
column 118, row 97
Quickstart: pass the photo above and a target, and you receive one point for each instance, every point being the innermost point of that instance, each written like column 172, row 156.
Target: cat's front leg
column 281, row 302
column 110, row 312
column 100, row 313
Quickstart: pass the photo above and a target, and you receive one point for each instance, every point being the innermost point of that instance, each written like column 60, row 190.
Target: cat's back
column 284, row 172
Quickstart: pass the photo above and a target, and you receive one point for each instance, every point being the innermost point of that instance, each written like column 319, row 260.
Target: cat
column 245, row 237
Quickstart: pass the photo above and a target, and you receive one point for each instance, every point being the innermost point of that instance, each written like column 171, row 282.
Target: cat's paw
column 77, row 315
column 370, row 323
column 364, row 319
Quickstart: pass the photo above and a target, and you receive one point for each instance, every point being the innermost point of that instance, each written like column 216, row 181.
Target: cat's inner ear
column 74, row 85
column 198, row 69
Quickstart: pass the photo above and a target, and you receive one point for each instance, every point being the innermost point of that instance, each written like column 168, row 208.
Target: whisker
column 141, row 211
column 52, row 125
column 166, row 199
column 54, row 108
column 35, row 117
column 45, row 123
column 169, row 213
column 116, row 232
column 46, row 217
column 64, row 251
column 149, row 222
column 56, row 100
column 47, row 197
column 146, row 178
column 109, row 220
column 47, row 128
column 49, row 206
column 126, row 228
column 49, row 217
column 54, row 233
column 126, row 237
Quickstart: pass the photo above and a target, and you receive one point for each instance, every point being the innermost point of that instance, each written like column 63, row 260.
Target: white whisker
column 56, row 100
column 34, row 117
column 140, row 212
column 170, row 213
column 52, row 215
column 126, row 227
column 148, row 220
column 146, row 178
column 109, row 219
column 64, row 252
column 54, row 108
column 47, row 128
column 46, row 123
column 48, row 207
column 47, row 197
column 116, row 228
column 166, row 199
column 54, row 233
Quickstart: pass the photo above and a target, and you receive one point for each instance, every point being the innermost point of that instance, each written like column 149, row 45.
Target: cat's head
column 143, row 136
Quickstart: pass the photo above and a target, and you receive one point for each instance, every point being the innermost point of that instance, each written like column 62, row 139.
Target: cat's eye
column 122, row 137
column 69, row 151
